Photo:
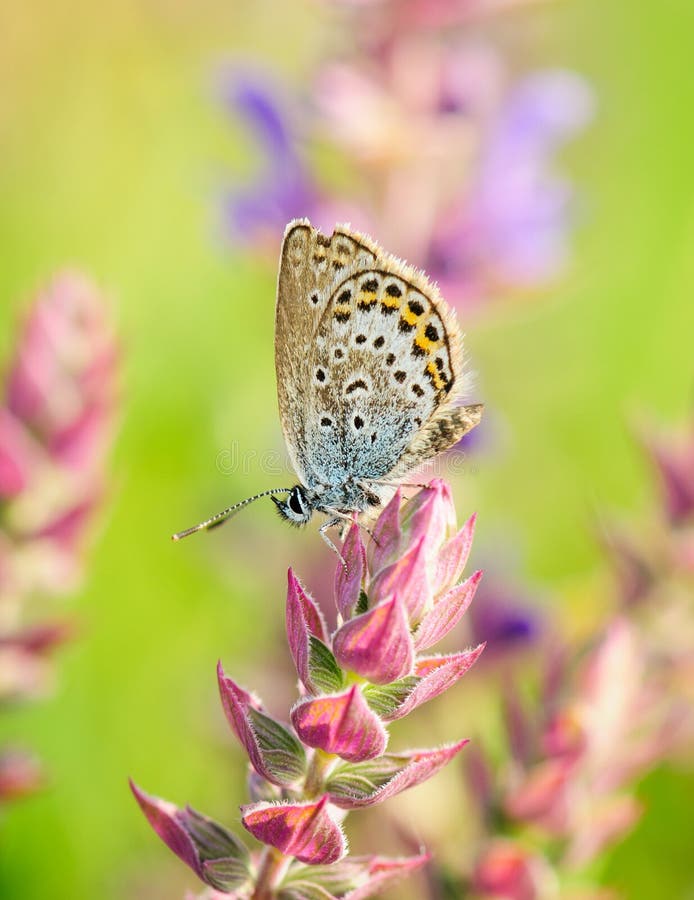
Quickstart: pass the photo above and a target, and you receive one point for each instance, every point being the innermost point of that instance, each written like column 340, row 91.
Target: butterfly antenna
column 226, row 514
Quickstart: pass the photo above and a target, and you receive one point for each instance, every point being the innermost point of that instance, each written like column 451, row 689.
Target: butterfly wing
column 311, row 264
column 385, row 377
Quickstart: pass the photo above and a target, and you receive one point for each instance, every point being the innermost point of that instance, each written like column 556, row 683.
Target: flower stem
column 318, row 768
column 273, row 865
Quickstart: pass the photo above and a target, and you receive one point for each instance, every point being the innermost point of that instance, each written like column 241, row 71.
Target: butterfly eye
column 295, row 504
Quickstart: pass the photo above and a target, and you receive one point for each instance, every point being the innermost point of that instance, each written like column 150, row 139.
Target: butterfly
column 370, row 375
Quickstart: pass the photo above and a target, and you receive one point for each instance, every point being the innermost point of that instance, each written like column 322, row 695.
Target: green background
column 112, row 150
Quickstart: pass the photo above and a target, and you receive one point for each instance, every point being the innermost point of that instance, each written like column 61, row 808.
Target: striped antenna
column 226, row 514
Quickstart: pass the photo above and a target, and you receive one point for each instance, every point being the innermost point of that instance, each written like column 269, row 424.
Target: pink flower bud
column 429, row 514
column 340, row 724
column 377, row 644
column 303, row 830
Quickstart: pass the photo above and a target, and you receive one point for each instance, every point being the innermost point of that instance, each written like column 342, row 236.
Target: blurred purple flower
column 515, row 222
column 283, row 187
column 504, row 618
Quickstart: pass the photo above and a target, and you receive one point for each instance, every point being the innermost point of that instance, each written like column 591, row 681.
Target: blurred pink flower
column 653, row 563
column 573, row 761
column 509, row 871
column 56, row 426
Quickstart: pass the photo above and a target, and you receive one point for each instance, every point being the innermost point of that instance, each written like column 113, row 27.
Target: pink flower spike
column 303, row 619
column 385, row 541
column 341, row 724
column 377, row 645
column 273, row 750
column 453, row 556
column 213, row 853
column 358, row 785
column 408, row 579
column 350, row 577
column 437, row 674
column 303, row 830
column 446, row 613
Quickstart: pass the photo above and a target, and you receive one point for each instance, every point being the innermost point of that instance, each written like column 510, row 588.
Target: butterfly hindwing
column 386, row 361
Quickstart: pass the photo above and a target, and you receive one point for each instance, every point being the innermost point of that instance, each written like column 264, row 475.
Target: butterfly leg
column 323, row 531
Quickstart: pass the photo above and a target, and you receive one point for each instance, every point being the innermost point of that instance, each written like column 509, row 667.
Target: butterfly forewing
column 311, row 264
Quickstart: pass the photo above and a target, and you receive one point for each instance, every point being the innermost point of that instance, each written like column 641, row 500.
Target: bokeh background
column 114, row 150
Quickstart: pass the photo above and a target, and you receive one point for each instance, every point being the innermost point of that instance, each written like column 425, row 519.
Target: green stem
column 318, row 768
column 273, row 865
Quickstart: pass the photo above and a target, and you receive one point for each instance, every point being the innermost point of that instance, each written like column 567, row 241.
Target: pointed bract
column 437, row 674
column 450, row 561
column 273, row 750
column 355, row 876
column 407, row 578
column 303, row 830
column 340, row 724
column 356, row 785
column 213, row 853
column 377, row 645
column 446, row 613
column 303, row 621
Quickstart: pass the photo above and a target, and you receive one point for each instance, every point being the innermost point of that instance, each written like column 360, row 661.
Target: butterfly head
column 296, row 508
